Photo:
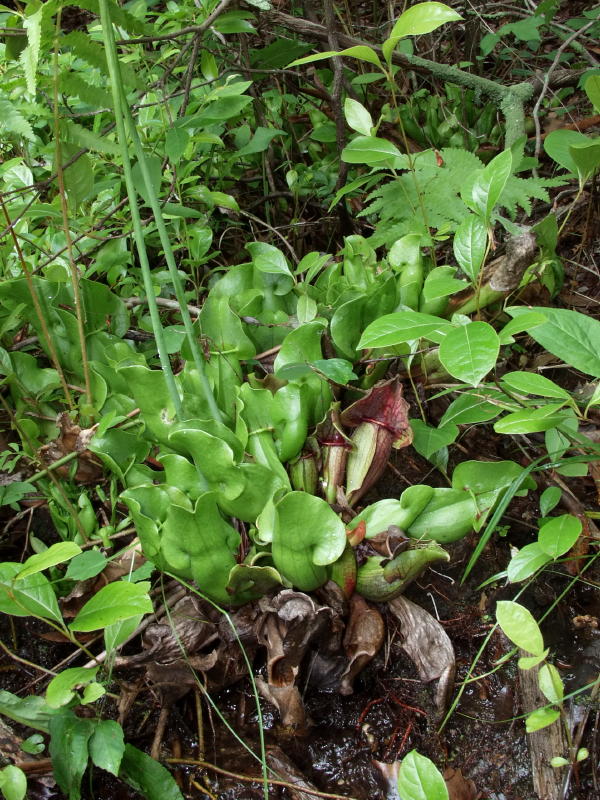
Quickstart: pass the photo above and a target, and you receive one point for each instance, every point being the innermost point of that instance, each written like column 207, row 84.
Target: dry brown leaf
column 427, row 644
column 363, row 638
column 73, row 439
column 459, row 787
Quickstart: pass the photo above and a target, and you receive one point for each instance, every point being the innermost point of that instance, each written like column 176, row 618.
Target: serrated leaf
column 12, row 121
column 29, row 57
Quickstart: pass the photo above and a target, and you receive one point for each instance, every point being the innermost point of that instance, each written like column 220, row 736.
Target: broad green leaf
column 489, row 185
column 69, row 736
column 541, row 718
column 118, row 600
column 523, row 322
column 469, row 245
column 532, row 420
column 268, row 258
column 176, row 140
column 147, row 776
column 592, row 89
column 529, row 662
column 370, row 150
column 559, row 535
column 532, row 383
column 470, row 351
column 558, row 145
column 60, row 690
column 357, row 116
column 422, row 18
column 428, row 440
column 119, row 632
column 448, row 516
column 439, row 283
column 32, row 595
column 472, row 407
column 586, row 157
column 551, row 684
column 13, row 783
column 418, row 777
column 86, row 565
column 403, row 326
column 380, row 515
column 526, row 562
column 261, row 138
column 360, row 52
column 107, row 746
column 32, row 711
column 549, row 499
column 308, row 535
column 55, row 554
column 520, row 626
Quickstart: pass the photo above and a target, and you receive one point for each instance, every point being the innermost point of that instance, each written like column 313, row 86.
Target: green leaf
column 423, row 18
column 428, row 440
column 13, row 783
column 261, row 138
column 551, row 684
column 559, row 535
column 29, row 57
column 586, row 157
column 307, row 536
column 418, row 777
column 55, row 554
column 469, row 245
column 472, row 407
column 78, row 177
column 592, row 89
column 549, row 499
column 532, row 383
column 448, row 516
column 119, row 632
column 147, row 776
column 371, row 150
column 12, row 121
column 107, row 746
column 532, row 420
column 268, row 258
column 520, row 626
column 529, row 662
column 403, row 326
column 360, row 52
column 32, row 711
column 526, row 562
column 69, row 736
column 489, row 185
column 60, row 690
column 118, row 600
column 32, row 596
column 470, row 351
column 176, row 141
column 541, row 718
column 86, row 565
column 357, row 117
column 558, row 145
column 521, row 323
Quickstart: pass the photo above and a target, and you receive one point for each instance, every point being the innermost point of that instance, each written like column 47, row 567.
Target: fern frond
column 93, row 54
column 12, row 121
column 77, row 134
column 30, row 55
column 73, row 85
column 119, row 16
column 519, row 192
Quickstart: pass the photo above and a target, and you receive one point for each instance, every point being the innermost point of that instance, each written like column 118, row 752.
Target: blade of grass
column 116, row 89
column 198, row 359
